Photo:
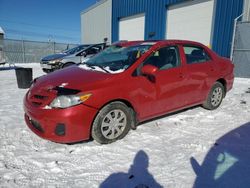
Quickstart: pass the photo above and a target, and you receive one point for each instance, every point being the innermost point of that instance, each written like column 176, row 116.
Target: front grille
column 37, row 104
column 40, row 97
column 36, row 125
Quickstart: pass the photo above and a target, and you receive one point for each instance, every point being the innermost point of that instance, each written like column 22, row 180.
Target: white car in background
column 70, row 57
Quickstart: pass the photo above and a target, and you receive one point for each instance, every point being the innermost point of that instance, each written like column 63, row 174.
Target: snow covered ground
column 193, row 148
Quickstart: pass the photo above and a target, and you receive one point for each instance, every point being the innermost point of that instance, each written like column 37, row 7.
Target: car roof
column 155, row 42
column 83, row 45
column 87, row 45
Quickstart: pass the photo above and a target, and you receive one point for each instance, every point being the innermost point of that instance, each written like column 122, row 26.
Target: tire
column 105, row 127
column 47, row 70
column 67, row 65
column 215, row 96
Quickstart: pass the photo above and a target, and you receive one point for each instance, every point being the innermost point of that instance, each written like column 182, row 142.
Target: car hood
column 73, row 78
column 54, row 57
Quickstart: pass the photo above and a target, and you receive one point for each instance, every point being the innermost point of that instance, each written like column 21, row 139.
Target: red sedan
column 127, row 83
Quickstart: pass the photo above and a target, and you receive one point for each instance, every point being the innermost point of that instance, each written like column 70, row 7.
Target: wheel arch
column 124, row 101
column 69, row 62
column 224, row 83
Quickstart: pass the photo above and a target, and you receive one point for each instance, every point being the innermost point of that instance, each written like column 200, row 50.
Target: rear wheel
column 112, row 123
column 215, row 96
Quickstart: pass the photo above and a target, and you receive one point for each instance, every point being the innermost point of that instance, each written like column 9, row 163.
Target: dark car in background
column 70, row 57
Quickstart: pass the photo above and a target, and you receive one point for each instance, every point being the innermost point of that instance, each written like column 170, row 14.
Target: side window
column 92, row 51
column 165, row 58
column 195, row 54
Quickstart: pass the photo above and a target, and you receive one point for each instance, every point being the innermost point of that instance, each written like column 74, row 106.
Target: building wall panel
column 155, row 15
column 226, row 12
column 96, row 23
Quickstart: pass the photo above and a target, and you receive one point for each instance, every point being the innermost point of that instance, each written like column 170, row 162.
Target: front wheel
column 215, row 96
column 47, row 70
column 112, row 123
column 67, row 65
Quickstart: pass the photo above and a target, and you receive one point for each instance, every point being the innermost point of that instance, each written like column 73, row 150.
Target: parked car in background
column 125, row 84
column 70, row 57
column 2, row 58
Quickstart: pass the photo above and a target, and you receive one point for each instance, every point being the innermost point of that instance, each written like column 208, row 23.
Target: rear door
column 201, row 73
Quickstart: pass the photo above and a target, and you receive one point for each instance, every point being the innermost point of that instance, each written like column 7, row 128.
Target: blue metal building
column 155, row 15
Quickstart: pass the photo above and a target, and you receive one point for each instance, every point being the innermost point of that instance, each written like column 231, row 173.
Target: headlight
column 54, row 61
column 65, row 101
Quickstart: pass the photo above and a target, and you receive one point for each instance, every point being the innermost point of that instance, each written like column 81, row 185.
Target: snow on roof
column 1, row 31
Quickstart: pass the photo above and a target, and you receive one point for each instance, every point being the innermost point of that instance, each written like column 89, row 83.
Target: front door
column 164, row 92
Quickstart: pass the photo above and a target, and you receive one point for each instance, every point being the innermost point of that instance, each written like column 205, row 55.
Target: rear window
column 195, row 54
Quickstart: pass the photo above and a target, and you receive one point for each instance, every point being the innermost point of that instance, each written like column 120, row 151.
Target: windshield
column 117, row 58
column 76, row 49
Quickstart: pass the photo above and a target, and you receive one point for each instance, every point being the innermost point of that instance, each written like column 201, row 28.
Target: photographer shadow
column 138, row 175
column 227, row 164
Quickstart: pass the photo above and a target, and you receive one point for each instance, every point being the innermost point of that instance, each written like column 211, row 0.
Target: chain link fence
column 241, row 50
column 23, row 51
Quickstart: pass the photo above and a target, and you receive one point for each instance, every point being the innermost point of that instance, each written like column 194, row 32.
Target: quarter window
column 195, row 54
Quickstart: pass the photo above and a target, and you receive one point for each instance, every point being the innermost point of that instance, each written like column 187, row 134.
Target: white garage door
column 132, row 28
column 191, row 20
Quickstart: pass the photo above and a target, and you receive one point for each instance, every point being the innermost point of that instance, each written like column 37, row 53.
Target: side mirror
column 84, row 54
column 149, row 70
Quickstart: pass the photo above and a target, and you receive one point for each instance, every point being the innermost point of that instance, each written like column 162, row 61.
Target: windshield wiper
column 93, row 67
